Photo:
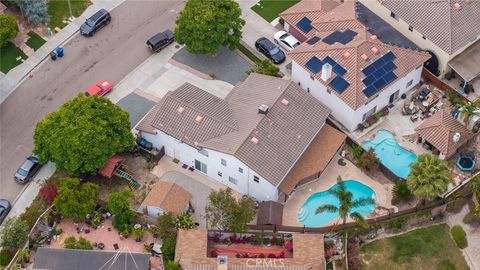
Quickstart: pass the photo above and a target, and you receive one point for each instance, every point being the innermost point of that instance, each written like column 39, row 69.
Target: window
column 256, row 179
column 232, row 180
column 223, row 162
column 240, row 170
column 409, row 83
column 370, row 112
column 410, row 28
column 393, row 15
column 219, row 173
column 201, row 166
column 204, row 152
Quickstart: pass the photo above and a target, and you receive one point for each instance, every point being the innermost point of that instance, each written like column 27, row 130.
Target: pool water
column 396, row 158
column 307, row 215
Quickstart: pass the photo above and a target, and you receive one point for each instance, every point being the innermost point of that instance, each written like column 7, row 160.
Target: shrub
column 82, row 243
column 165, row 225
column 48, row 192
column 5, row 257
column 138, row 233
column 172, row 265
column 70, row 242
column 401, row 193
column 459, row 236
column 31, row 214
column 368, row 160
column 396, row 224
column 357, row 151
column 14, row 233
column 184, row 221
column 168, row 248
column 8, row 28
column 265, row 67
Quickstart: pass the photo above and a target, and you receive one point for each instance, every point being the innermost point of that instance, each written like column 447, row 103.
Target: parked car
column 28, row 170
column 286, row 41
column 160, row 41
column 269, row 49
column 100, row 89
column 5, row 207
column 98, row 20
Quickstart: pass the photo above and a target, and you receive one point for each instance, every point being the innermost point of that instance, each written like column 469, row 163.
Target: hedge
column 459, row 236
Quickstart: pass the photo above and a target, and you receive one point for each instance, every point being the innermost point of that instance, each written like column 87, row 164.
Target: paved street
column 111, row 54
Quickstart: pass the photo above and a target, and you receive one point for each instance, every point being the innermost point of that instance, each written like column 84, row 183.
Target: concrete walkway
column 16, row 75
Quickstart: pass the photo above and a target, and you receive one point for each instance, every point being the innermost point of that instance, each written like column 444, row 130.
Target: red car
column 100, row 89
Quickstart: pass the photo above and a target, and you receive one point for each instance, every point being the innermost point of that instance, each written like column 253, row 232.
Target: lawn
column 35, row 41
column 8, row 57
column 58, row 11
column 269, row 9
column 426, row 248
column 248, row 53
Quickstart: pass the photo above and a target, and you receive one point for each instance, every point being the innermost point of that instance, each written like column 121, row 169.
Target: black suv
column 95, row 22
column 269, row 49
column 160, row 41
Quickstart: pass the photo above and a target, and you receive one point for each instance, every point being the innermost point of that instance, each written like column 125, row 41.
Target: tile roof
column 168, row 196
column 283, row 133
column 440, row 129
column 270, row 213
column 450, row 28
column 362, row 44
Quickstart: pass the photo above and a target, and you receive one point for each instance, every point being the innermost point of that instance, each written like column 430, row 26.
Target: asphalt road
column 110, row 54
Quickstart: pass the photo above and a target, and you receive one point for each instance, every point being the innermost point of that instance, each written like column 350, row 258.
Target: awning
column 109, row 169
column 467, row 64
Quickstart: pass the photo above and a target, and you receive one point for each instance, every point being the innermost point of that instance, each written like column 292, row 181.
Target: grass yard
column 248, row 53
column 269, row 9
column 8, row 57
column 426, row 248
column 58, row 11
column 35, row 41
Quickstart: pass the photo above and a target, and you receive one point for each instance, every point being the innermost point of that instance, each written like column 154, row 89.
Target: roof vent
column 285, row 102
column 326, row 72
column 254, row 140
column 263, row 109
column 457, row 6
column 364, row 57
column 180, row 110
column 346, row 55
column 374, row 37
column 198, row 119
column 456, row 137
column 375, row 50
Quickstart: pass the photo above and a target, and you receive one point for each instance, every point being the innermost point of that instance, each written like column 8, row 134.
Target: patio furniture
column 414, row 118
column 191, row 168
column 101, row 246
column 184, row 166
column 116, row 247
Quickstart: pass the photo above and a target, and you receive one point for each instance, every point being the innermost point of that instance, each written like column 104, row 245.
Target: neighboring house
column 248, row 141
column 165, row 197
column 346, row 67
column 444, row 27
column 445, row 133
column 76, row 259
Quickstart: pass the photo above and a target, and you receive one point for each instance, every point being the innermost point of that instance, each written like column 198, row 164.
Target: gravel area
column 226, row 65
column 136, row 106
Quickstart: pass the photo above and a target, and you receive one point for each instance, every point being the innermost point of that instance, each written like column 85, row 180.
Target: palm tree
column 428, row 177
column 346, row 204
column 469, row 109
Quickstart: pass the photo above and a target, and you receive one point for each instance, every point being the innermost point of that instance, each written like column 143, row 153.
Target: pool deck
column 328, row 179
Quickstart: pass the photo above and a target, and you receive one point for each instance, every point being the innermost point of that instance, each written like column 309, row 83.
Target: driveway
column 111, row 54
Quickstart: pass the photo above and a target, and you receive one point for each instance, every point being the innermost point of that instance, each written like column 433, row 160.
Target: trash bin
column 53, row 55
column 60, row 52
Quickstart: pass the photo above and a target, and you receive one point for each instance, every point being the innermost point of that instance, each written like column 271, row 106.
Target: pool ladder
column 303, row 214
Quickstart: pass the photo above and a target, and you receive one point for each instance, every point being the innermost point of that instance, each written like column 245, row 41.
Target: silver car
column 286, row 40
column 28, row 170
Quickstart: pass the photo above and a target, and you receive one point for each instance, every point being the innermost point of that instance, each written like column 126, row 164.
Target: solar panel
column 379, row 73
column 369, row 91
column 389, row 77
column 339, row 84
column 389, row 66
column 369, row 80
column 389, row 57
column 337, row 68
column 313, row 40
column 333, row 37
column 368, row 70
column 347, row 36
column 305, row 24
column 379, row 63
column 314, row 64
column 379, row 84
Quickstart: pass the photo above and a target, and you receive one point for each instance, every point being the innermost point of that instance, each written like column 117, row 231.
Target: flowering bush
column 48, row 192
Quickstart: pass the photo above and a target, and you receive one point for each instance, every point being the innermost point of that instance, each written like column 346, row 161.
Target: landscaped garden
column 269, row 9
column 426, row 248
column 9, row 55
column 35, row 41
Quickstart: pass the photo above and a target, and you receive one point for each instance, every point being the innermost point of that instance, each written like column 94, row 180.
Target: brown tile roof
column 315, row 159
column 191, row 252
column 406, row 60
column 450, row 28
column 270, row 213
column 168, row 196
column 439, row 131
column 230, row 125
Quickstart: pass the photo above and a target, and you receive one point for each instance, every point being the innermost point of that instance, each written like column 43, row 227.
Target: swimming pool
column 307, row 215
column 391, row 154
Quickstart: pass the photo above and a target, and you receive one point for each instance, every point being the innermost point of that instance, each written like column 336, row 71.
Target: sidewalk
column 15, row 76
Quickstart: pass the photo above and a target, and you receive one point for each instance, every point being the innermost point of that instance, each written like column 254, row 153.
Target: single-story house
column 444, row 133
column 76, row 259
column 250, row 140
column 165, row 197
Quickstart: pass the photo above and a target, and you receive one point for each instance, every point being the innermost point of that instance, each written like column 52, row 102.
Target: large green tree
column 76, row 200
column 14, row 233
column 35, row 10
column 118, row 203
column 83, row 134
column 8, row 28
column 205, row 25
column 429, row 177
column 224, row 212
column 347, row 204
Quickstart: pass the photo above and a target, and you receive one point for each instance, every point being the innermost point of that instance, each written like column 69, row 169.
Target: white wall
column 341, row 111
column 263, row 190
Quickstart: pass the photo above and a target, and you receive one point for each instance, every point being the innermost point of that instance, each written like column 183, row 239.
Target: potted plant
column 138, row 233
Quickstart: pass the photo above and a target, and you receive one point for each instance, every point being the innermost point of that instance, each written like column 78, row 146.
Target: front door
column 393, row 97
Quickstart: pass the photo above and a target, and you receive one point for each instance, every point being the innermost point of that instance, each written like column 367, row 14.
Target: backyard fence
column 435, row 81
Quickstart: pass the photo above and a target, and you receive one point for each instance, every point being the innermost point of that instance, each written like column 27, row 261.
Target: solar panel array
column 339, row 84
column 305, row 24
column 335, row 66
column 379, row 74
column 315, row 64
column 313, row 40
column 339, row 36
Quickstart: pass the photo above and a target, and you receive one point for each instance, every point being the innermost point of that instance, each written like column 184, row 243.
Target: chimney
column 346, row 55
column 456, row 137
column 457, row 6
column 198, row 119
column 364, row 57
column 263, row 109
column 326, row 72
column 375, row 50
column 180, row 110
column 374, row 37
column 285, row 102
column 254, row 140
